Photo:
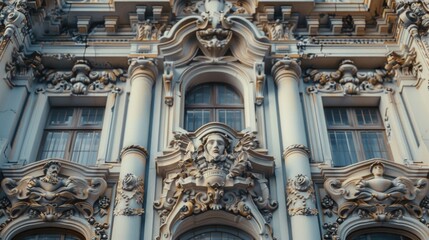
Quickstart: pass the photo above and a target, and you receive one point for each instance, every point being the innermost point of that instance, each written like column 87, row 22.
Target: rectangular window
column 355, row 134
column 73, row 134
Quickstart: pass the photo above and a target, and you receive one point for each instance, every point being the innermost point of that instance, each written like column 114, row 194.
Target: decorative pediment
column 347, row 79
column 214, row 169
column 82, row 79
column 214, row 31
column 377, row 190
column 53, row 190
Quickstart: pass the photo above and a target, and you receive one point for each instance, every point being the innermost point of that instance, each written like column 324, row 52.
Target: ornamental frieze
column 371, row 195
column 347, row 79
column 82, row 79
column 218, row 170
column 54, row 196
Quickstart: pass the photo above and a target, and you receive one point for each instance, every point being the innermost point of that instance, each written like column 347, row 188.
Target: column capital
column 296, row 148
column 286, row 67
column 142, row 66
column 134, row 148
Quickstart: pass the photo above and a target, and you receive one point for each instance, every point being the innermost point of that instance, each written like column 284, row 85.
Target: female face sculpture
column 215, row 145
column 377, row 170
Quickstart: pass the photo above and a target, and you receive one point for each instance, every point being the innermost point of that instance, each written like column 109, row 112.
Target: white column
column 130, row 191
column 300, row 191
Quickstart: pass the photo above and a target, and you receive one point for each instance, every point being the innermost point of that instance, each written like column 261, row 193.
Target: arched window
column 49, row 234
column 382, row 234
column 215, row 233
column 213, row 102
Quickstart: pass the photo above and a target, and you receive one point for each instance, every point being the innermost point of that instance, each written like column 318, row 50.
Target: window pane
column 227, row 96
column 367, row 116
column 336, row 117
column 196, row 118
column 199, row 95
column 85, row 147
column 374, row 145
column 91, row 117
column 60, row 117
column 232, row 118
column 54, row 145
column 343, row 148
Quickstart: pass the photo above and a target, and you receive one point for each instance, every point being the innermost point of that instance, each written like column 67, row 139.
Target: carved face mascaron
column 53, row 170
column 377, row 170
column 215, row 145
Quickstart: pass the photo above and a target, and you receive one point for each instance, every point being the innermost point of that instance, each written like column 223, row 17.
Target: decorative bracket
column 167, row 77
column 260, row 82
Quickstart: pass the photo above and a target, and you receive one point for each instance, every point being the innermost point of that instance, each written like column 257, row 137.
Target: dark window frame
column 213, row 106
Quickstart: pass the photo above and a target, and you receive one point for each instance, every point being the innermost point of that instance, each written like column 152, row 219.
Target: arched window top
column 213, row 102
column 215, row 232
column 381, row 234
column 49, row 234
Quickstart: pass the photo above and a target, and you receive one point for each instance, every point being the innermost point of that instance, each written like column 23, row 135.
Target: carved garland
column 82, row 79
column 299, row 190
column 131, row 187
column 347, row 79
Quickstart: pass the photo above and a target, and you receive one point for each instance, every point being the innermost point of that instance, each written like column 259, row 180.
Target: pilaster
column 300, row 192
column 130, row 190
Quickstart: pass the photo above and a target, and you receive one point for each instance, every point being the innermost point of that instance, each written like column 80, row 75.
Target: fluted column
column 300, row 191
column 130, row 191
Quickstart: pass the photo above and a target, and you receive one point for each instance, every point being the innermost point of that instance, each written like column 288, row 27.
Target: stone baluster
column 130, row 191
column 300, row 192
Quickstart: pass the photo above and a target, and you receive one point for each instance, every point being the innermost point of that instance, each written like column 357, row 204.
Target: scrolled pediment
column 214, row 169
column 53, row 190
column 215, row 31
column 376, row 190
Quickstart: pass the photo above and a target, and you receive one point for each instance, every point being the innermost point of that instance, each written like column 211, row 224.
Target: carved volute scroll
column 369, row 194
column 347, row 79
column 215, row 170
column 53, row 196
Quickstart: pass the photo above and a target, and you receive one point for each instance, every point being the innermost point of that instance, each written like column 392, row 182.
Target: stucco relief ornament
column 280, row 30
column 214, row 36
column 347, row 79
column 147, row 30
column 52, row 197
column 300, row 190
column 377, row 198
column 214, row 178
column 130, row 194
column 82, row 79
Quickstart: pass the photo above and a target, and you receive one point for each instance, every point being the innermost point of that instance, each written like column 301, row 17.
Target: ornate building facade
column 214, row 119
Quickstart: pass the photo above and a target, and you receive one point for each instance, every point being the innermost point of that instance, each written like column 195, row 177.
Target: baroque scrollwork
column 300, row 190
column 130, row 188
column 52, row 197
column 347, row 79
column 378, row 198
column 148, row 30
column 214, row 36
column 82, row 79
column 403, row 62
column 280, row 30
column 212, row 177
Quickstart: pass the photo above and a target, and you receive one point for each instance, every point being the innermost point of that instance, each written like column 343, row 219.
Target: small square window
column 73, row 133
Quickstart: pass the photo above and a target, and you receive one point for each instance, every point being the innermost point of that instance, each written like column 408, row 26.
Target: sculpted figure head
column 377, row 169
column 52, row 169
column 215, row 145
